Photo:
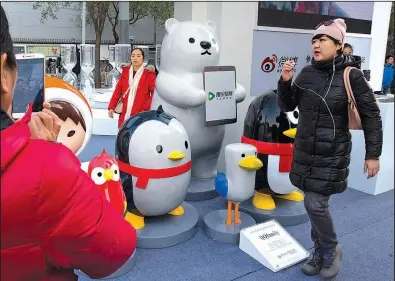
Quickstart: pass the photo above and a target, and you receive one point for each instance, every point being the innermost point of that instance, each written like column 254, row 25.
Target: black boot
column 313, row 266
column 331, row 263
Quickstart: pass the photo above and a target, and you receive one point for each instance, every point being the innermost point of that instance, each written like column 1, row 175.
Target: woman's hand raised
column 45, row 125
column 288, row 70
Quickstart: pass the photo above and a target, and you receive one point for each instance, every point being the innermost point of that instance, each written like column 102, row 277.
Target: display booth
column 384, row 181
column 167, row 155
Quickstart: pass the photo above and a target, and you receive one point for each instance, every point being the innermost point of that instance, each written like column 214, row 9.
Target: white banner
column 271, row 49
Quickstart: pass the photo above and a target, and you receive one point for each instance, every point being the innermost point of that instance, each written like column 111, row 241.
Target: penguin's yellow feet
column 263, row 201
column 179, row 211
column 136, row 221
column 237, row 218
column 229, row 217
column 293, row 196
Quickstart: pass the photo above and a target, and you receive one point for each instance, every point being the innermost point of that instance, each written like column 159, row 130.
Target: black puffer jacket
column 322, row 146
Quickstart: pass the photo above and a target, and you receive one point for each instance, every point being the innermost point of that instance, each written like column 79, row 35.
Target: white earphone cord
column 323, row 98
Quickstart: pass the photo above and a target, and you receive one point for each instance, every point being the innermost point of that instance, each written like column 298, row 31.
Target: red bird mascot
column 104, row 171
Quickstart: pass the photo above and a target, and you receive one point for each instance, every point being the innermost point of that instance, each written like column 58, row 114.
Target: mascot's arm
column 117, row 92
column 77, row 227
column 221, row 184
column 240, row 93
column 177, row 92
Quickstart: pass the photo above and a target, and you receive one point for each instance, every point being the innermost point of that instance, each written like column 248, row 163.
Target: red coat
column 143, row 99
column 53, row 218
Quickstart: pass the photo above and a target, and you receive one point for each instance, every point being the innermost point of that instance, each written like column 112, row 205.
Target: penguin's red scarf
column 284, row 150
column 144, row 175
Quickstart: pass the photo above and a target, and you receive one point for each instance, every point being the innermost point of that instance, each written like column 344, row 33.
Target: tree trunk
column 115, row 34
column 155, row 31
column 97, row 60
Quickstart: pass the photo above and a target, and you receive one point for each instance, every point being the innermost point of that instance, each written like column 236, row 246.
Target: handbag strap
column 350, row 94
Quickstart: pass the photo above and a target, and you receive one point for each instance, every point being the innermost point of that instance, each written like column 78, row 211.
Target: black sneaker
column 331, row 263
column 313, row 266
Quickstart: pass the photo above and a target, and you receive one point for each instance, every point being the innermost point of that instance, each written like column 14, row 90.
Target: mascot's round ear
column 170, row 24
column 212, row 25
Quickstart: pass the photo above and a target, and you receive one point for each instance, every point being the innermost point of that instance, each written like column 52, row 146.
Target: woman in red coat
column 53, row 218
column 135, row 88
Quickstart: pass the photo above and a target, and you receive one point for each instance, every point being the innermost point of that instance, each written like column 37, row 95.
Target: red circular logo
column 269, row 64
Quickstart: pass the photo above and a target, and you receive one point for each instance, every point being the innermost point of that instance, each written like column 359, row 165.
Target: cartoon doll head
column 73, row 110
column 73, row 129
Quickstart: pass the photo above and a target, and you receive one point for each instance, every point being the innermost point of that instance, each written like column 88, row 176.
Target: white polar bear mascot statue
column 186, row 49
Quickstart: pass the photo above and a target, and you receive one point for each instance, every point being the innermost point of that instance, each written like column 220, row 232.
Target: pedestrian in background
column 388, row 74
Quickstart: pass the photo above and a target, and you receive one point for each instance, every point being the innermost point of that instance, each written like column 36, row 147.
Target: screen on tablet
column 29, row 85
column 221, row 102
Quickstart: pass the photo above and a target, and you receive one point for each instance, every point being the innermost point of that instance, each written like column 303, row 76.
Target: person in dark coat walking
column 323, row 141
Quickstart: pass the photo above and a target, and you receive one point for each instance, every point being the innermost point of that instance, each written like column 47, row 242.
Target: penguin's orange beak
column 291, row 133
column 108, row 174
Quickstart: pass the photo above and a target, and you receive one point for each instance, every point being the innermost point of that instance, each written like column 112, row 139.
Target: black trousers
column 322, row 229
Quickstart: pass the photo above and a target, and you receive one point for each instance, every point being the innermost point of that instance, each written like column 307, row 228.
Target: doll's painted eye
column 159, row 148
column 71, row 133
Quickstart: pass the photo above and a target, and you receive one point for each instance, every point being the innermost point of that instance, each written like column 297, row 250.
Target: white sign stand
column 271, row 245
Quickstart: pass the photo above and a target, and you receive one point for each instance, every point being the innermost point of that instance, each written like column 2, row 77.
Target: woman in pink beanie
column 323, row 142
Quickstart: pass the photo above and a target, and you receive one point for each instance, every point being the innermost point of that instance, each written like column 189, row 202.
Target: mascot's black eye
column 186, row 144
column 71, row 133
column 191, row 40
column 296, row 114
column 243, row 155
column 159, row 148
column 115, row 172
column 256, row 154
column 99, row 174
column 214, row 42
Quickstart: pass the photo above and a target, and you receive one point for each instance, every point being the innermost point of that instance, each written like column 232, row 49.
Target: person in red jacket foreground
column 53, row 218
column 135, row 88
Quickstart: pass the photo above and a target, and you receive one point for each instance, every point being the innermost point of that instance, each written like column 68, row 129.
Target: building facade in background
column 30, row 35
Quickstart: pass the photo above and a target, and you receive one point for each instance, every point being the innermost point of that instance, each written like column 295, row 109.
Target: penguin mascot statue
column 237, row 183
column 154, row 157
column 272, row 132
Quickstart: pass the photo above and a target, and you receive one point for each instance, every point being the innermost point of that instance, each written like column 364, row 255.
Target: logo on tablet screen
column 211, row 96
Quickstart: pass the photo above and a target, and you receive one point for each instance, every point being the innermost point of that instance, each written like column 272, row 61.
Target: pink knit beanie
column 334, row 28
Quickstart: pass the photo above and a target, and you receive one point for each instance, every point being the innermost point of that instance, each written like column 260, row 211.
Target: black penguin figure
column 272, row 132
column 140, row 206
column 123, row 140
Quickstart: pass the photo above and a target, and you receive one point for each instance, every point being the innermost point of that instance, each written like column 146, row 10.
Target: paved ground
column 364, row 223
